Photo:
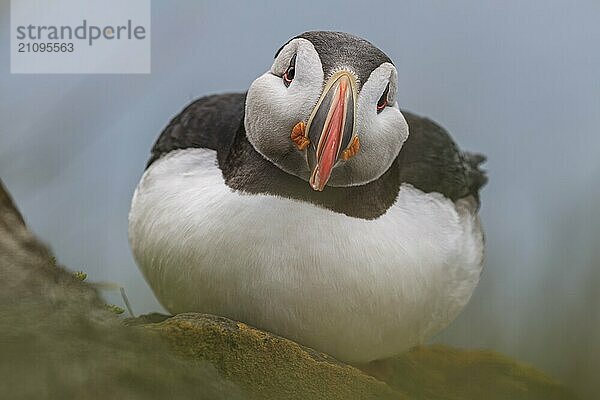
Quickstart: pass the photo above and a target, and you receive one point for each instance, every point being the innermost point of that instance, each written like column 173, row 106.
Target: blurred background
column 519, row 82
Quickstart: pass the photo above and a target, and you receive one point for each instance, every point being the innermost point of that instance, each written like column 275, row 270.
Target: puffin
column 313, row 207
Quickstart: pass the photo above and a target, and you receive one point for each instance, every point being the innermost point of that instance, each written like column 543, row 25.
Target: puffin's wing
column 210, row 122
column 432, row 162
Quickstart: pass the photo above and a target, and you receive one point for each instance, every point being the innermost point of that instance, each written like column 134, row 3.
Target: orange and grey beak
column 331, row 127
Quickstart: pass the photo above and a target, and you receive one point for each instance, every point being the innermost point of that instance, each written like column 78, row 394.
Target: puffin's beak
column 331, row 127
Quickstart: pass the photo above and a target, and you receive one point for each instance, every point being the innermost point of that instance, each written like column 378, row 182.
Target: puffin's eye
column 289, row 74
column 383, row 100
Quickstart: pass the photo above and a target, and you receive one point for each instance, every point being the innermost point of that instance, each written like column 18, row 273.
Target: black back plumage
column 429, row 160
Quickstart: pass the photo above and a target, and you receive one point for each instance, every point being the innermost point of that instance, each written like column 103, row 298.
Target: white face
column 274, row 105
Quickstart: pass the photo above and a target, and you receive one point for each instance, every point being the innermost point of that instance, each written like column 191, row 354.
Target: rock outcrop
column 269, row 366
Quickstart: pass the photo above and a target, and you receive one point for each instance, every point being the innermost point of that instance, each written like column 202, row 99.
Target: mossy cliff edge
column 58, row 341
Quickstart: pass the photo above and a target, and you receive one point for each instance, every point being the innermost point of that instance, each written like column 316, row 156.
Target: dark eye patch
column 383, row 100
column 290, row 72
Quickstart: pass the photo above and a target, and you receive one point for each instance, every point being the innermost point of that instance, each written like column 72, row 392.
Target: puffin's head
column 327, row 111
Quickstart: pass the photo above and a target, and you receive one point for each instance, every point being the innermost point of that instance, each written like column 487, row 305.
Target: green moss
column 114, row 309
column 442, row 372
column 267, row 366
column 80, row 275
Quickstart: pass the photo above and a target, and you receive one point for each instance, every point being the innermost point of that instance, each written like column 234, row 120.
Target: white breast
column 357, row 289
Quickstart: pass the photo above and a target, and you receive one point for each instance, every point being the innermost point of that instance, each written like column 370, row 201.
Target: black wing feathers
column 431, row 161
column 209, row 122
